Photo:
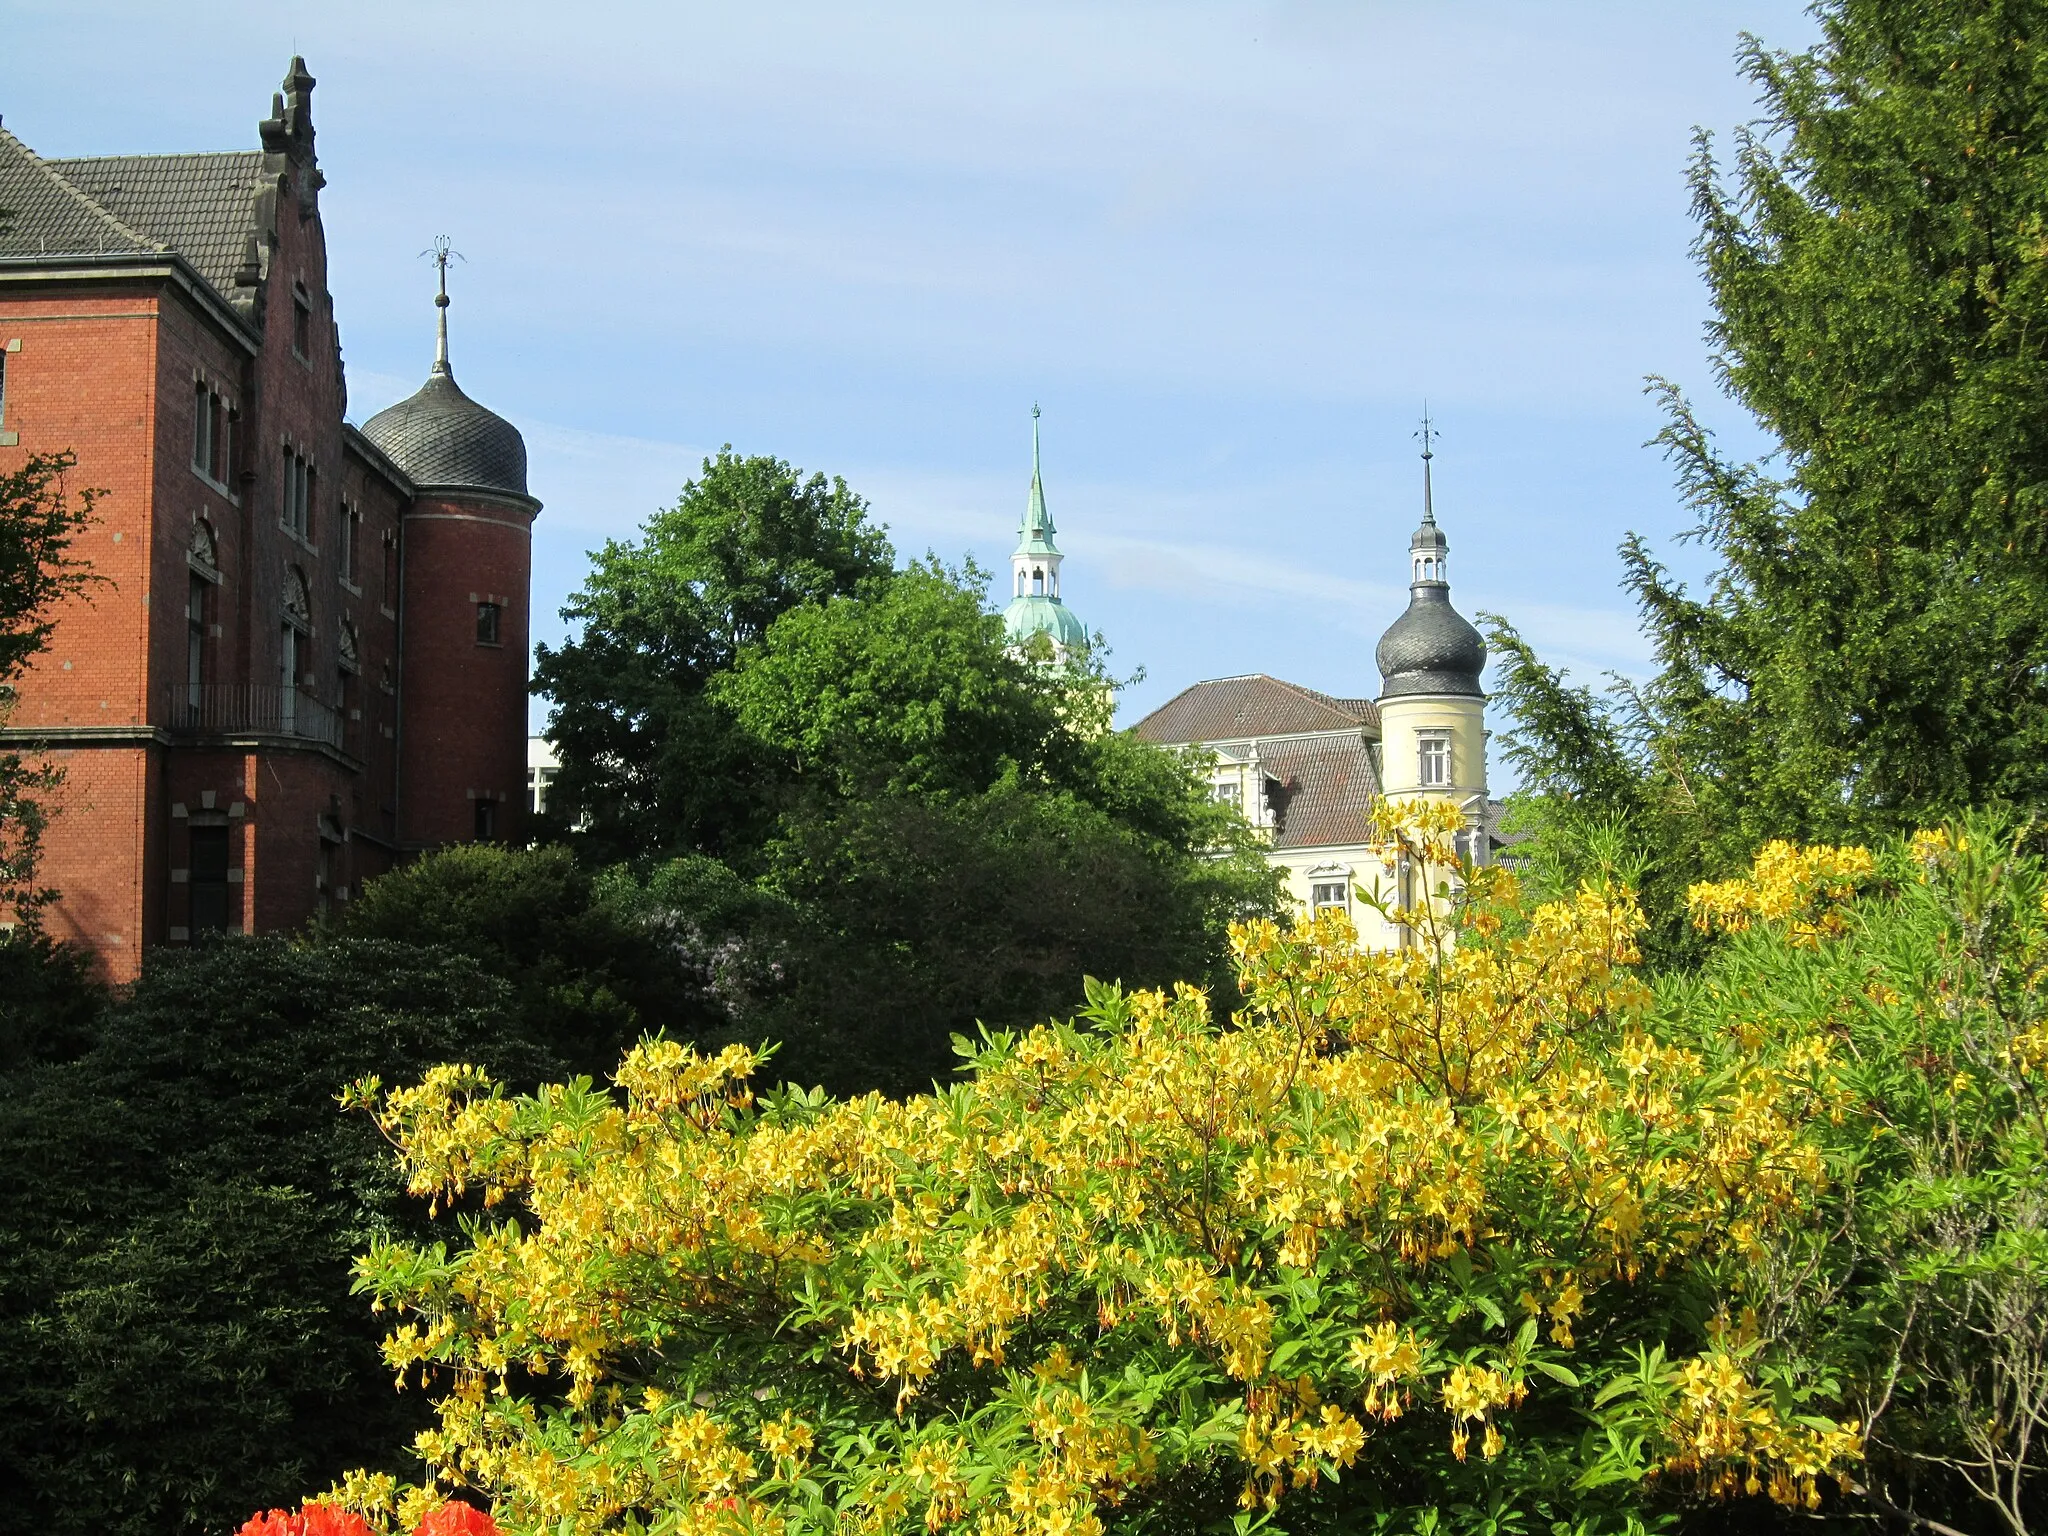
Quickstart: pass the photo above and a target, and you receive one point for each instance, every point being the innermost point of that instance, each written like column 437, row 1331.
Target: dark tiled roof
column 442, row 438
column 201, row 206
column 43, row 214
column 1431, row 648
column 1325, row 790
column 1234, row 708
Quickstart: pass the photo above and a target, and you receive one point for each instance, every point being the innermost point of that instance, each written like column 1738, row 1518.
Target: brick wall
column 318, row 788
column 464, row 731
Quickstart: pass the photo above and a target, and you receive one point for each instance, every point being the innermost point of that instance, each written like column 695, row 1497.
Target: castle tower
column 465, row 554
column 1432, row 710
column 1035, row 607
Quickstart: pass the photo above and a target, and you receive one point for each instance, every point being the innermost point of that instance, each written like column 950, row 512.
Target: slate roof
column 1236, row 708
column 1431, row 647
column 1325, row 791
column 443, row 439
column 46, row 215
column 201, row 206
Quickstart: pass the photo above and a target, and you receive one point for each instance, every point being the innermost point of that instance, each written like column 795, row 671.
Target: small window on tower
column 486, row 820
column 487, row 615
column 1435, row 764
column 302, row 324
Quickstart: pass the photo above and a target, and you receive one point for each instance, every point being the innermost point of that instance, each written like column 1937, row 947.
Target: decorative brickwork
column 268, row 700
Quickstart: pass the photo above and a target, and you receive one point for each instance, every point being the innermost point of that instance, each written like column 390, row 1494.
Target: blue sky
column 1229, row 248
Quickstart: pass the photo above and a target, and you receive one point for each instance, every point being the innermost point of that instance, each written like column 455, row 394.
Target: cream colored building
column 1304, row 767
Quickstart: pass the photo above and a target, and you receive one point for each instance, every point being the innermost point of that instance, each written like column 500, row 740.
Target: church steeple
column 1035, row 606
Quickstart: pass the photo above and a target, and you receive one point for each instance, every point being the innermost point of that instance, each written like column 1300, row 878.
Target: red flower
column 326, row 1520
column 312, row 1520
column 456, row 1518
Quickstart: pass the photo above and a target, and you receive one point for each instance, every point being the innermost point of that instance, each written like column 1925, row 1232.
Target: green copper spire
column 1035, row 607
column 1035, row 536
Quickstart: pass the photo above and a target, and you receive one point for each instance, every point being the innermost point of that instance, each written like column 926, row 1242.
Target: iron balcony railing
column 262, row 709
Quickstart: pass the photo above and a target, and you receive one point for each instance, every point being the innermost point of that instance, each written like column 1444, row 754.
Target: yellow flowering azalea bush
column 1449, row 1228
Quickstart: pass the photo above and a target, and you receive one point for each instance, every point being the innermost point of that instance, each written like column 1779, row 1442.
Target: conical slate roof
column 443, row 439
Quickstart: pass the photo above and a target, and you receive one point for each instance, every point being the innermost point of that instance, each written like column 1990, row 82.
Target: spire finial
column 1037, row 521
column 1429, row 435
column 440, row 250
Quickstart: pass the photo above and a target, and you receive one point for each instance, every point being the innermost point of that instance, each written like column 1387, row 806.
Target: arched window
column 1037, row 581
column 298, row 603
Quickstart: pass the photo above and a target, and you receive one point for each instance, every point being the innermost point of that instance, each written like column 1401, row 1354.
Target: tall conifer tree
column 1872, row 649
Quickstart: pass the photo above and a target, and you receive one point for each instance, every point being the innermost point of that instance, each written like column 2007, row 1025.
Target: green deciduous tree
column 649, row 765
column 936, row 831
column 1871, row 649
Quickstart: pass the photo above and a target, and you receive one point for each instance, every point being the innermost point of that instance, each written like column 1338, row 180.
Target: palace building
column 307, row 653
column 1304, row 767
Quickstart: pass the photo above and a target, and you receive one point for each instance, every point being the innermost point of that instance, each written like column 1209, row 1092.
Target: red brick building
column 308, row 657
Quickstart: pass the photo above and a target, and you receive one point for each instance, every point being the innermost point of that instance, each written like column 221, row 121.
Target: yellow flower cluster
column 1122, row 1248
column 1730, row 1434
column 1803, row 887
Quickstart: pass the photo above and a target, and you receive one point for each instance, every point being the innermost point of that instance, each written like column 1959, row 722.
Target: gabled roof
column 201, row 206
column 43, row 214
column 1324, row 792
column 1237, row 708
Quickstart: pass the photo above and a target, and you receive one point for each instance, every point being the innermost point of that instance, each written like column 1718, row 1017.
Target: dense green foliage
column 177, row 1340
column 921, row 831
column 1871, row 650
column 585, row 975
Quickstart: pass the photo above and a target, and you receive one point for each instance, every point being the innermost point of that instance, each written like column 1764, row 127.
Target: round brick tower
column 465, row 559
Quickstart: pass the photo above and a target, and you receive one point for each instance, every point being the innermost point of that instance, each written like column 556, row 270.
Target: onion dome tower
column 1035, row 607
column 1432, row 709
column 465, row 560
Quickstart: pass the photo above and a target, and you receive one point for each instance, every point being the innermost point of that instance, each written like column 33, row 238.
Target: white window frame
column 1433, row 752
